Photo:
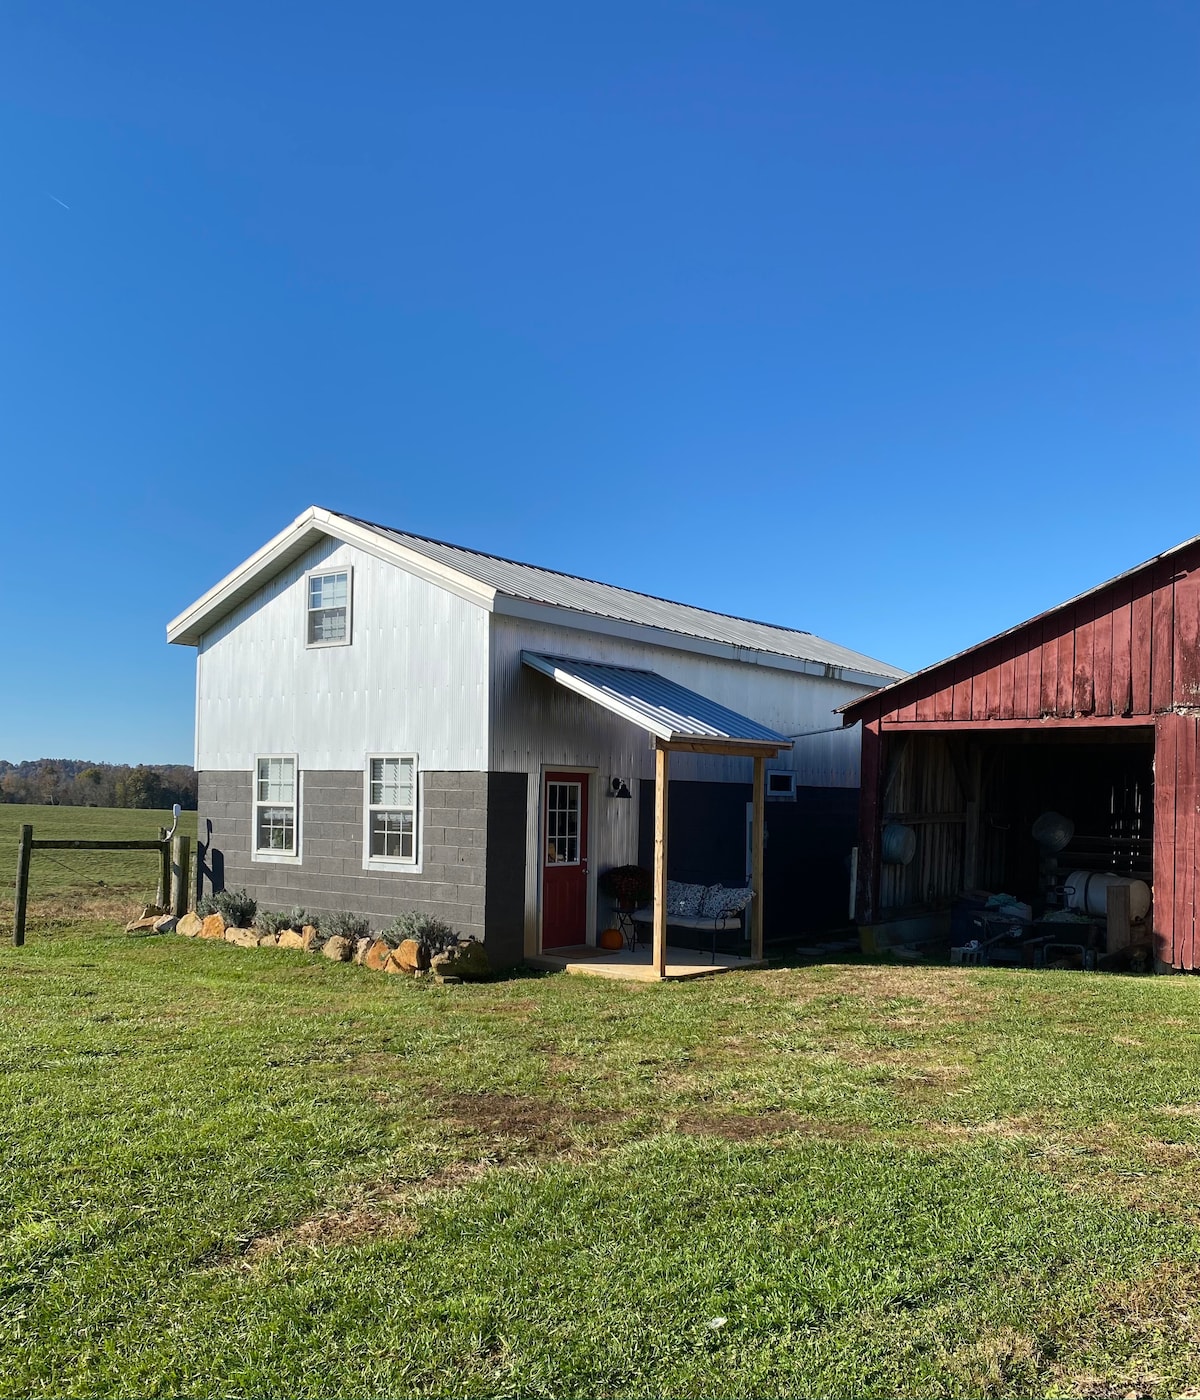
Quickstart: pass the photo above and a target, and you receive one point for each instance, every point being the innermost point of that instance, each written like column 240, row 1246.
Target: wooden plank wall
column 1130, row 649
column 1176, row 825
column 924, row 792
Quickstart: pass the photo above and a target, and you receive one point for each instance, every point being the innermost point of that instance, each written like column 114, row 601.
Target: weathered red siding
column 1127, row 653
column 1176, row 809
column 1130, row 649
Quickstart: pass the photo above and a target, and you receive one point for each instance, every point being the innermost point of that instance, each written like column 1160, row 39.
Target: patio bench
column 711, row 909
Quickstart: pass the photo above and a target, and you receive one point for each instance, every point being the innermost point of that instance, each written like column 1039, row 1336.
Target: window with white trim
column 392, row 808
column 328, row 603
column 276, row 806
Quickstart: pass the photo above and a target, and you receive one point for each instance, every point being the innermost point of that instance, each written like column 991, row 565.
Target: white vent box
column 781, row 787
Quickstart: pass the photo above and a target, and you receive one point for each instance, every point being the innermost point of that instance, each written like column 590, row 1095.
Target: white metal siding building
column 419, row 671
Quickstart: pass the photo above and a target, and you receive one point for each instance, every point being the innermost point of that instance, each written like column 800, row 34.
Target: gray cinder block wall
column 472, row 835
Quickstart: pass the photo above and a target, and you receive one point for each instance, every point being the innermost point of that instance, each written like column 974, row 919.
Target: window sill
column 386, row 865
column 274, row 858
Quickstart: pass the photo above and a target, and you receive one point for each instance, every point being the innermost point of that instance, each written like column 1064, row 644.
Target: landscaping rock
column 190, row 925
column 241, row 937
column 338, row 949
column 468, row 961
column 377, row 955
column 166, row 924
column 142, row 925
column 311, row 939
column 153, row 911
column 289, row 938
column 409, row 956
column 269, row 940
column 361, row 949
column 212, row 927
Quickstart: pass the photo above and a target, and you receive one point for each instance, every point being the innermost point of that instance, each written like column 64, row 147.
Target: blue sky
column 874, row 319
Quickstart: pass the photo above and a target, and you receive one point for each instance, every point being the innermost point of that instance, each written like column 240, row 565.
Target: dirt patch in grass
column 1154, row 1318
column 749, row 1127
column 534, row 1127
column 380, row 1210
column 917, row 989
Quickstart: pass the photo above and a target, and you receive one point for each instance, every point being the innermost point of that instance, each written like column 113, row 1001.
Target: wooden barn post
column 24, row 851
column 868, row 819
column 757, row 834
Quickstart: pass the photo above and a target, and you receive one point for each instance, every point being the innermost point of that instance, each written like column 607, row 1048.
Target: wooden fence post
column 164, row 870
column 24, row 851
column 180, row 852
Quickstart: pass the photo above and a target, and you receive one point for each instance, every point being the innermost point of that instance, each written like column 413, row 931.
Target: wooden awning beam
column 716, row 746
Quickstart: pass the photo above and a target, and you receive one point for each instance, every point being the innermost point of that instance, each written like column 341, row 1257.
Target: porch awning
column 680, row 718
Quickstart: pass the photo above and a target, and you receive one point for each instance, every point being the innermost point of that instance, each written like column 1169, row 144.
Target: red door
column 564, row 860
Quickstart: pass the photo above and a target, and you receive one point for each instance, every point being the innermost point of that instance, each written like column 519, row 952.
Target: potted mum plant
column 629, row 886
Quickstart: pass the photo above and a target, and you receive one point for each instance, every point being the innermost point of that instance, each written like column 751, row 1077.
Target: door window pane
column 562, row 823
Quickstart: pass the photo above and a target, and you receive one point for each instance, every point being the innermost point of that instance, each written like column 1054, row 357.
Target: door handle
column 583, row 863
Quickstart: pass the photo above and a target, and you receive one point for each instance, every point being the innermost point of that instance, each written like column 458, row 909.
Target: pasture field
column 250, row 1172
column 71, row 884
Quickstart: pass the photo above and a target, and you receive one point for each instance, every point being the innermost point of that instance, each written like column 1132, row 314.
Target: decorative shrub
column 434, row 935
column 236, row 907
column 343, row 925
column 630, row 885
column 269, row 922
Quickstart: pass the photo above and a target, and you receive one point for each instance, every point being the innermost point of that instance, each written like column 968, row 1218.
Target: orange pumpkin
column 612, row 938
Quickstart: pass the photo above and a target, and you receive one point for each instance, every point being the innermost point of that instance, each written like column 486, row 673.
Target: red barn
column 1092, row 710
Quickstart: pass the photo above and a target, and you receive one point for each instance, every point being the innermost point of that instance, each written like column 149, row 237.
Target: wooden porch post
column 757, row 823
column 662, row 768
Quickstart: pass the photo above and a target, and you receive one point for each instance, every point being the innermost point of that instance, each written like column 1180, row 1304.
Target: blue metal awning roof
column 669, row 711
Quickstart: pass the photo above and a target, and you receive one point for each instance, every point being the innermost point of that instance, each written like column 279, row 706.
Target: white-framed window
column 327, row 596
column 276, row 807
column 391, row 810
column 562, row 822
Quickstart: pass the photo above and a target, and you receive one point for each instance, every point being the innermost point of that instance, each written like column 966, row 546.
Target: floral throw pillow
column 719, row 900
column 683, row 901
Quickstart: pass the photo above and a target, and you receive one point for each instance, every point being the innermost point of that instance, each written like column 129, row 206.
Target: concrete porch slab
column 682, row 963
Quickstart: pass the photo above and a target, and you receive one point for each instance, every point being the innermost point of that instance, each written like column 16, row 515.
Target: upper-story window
column 328, row 622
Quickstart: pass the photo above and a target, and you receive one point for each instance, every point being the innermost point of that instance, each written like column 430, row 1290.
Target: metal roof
column 667, row 710
column 547, row 586
column 503, row 585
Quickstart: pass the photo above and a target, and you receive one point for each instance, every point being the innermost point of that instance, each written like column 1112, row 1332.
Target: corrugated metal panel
column 413, row 679
column 527, row 581
column 537, row 726
column 662, row 707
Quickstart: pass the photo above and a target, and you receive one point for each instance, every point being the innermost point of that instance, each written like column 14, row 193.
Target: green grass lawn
column 66, row 884
column 229, row 1172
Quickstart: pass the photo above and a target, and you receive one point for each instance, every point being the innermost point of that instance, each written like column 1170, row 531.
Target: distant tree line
column 74, row 782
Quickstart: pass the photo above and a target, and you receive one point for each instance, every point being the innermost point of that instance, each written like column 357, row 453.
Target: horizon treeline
column 76, row 782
